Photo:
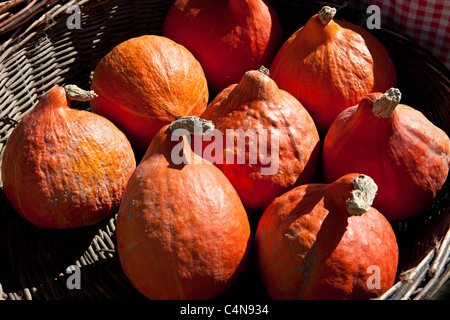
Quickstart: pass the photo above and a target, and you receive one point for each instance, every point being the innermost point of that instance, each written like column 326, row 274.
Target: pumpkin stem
column 384, row 106
column 264, row 70
column 363, row 195
column 326, row 14
column 193, row 124
column 77, row 94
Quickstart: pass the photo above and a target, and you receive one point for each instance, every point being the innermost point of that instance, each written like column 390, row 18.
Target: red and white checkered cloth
column 425, row 21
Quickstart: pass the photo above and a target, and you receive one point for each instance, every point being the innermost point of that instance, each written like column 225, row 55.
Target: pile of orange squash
column 326, row 94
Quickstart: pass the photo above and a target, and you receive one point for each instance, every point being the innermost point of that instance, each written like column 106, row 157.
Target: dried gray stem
column 193, row 124
column 384, row 106
column 326, row 14
column 75, row 93
column 363, row 195
column 264, row 70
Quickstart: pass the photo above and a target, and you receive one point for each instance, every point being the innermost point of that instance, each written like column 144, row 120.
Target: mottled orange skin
column 65, row 168
column 309, row 247
column 257, row 103
column 329, row 68
column 182, row 231
column 406, row 155
column 146, row 82
column 228, row 37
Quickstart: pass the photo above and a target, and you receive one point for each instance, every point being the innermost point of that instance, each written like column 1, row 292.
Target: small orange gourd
column 182, row 231
column 331, row 65
column 65, row 168
column 146, row 82
column 325, row 241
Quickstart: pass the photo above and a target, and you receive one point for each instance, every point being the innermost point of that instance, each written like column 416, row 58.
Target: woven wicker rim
column 42, row 53
column 15, row 13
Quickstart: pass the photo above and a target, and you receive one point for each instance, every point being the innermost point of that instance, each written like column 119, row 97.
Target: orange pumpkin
column 146, row 82
column 182, row 231
column 276, row 139
column 325, row 241
column 228, row 37
column 65, row 168
column 331, row 65
column 406, row 154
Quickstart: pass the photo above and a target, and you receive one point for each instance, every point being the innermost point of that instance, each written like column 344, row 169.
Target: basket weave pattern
column 44, row 52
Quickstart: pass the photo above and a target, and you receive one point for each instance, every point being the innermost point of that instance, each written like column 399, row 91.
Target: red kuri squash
column 325, row 241
column 146, row 82
column 270, row 142
column 331, row 65
column 228, row 37
column 65, row 168
column 406, row 154
column 182, row 231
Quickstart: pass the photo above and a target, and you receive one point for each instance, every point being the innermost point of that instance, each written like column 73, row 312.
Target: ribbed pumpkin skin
column 182, row 231
column 406, row 155
column 310, row 248
column 332, row 67
column 146, row 82
column 65, row 168
column 228, row 37
column 257, row 103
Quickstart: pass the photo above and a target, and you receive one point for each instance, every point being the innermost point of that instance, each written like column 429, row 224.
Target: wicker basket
column 44, row 52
